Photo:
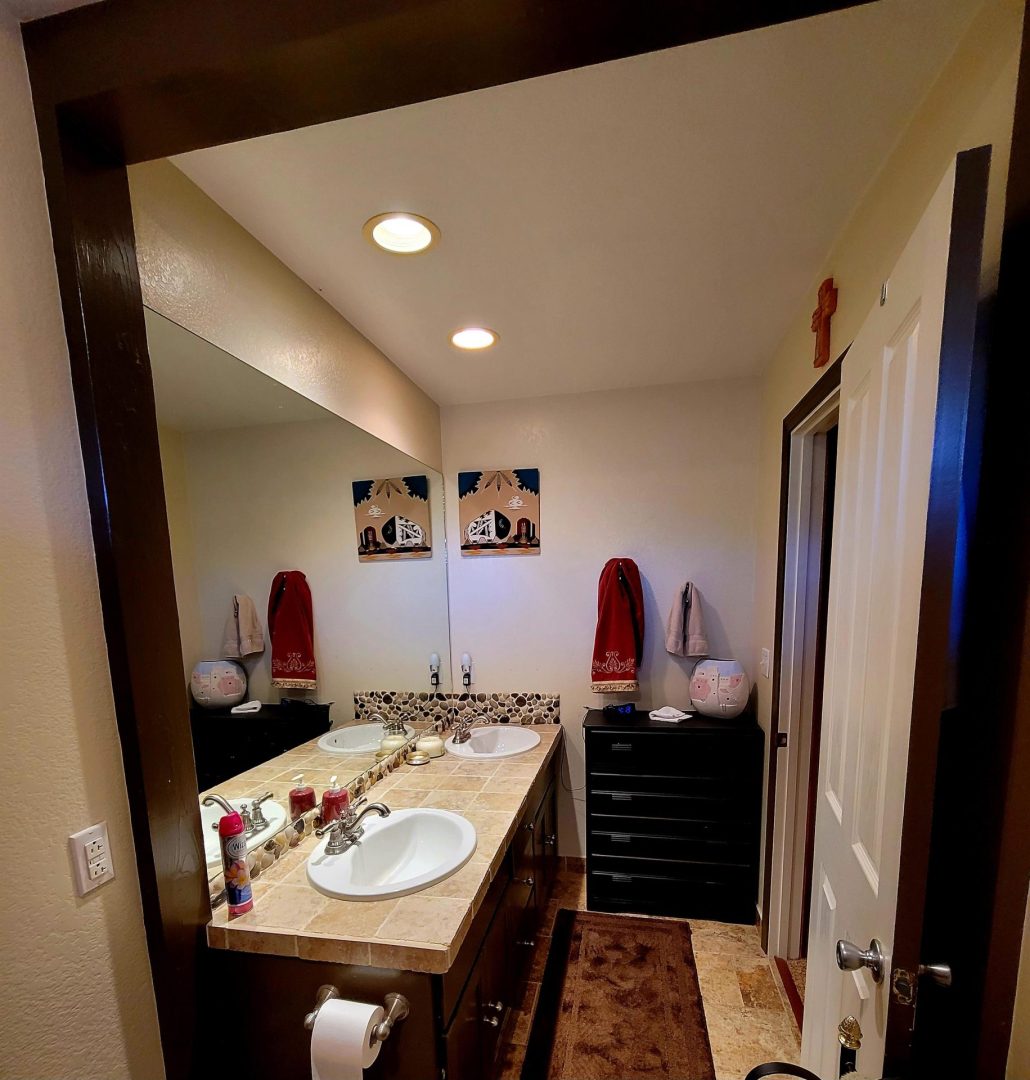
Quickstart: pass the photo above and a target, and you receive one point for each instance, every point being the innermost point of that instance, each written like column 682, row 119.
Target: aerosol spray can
column 238, row 891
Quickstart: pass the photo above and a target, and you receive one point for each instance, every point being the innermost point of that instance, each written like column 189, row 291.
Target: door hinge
column 903, row 986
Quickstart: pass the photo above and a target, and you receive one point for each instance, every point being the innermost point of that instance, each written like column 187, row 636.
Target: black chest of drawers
column 673, row 816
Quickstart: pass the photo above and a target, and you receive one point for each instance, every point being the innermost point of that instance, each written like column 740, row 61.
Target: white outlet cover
column 88, row 849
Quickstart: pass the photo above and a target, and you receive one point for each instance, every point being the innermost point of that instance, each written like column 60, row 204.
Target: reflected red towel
column 291, row 629
column 619, row 641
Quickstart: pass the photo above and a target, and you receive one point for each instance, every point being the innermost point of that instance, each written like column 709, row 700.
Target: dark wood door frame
column 124, row 81
column 826, row 385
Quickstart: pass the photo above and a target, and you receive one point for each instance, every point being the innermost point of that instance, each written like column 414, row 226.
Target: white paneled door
column 887, row 413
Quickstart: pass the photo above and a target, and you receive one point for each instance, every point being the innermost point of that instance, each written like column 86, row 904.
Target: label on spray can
column 238, row 891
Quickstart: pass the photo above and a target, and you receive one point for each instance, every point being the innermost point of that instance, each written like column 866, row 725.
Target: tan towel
column 685, row 631
column 243, row 634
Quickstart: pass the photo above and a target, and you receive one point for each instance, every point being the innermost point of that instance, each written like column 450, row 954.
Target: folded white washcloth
column 668, row 715
column 247, row 707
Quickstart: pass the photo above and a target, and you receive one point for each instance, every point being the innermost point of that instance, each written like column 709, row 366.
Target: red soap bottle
column 334, row 801
column 302, row 797
column 239, row 893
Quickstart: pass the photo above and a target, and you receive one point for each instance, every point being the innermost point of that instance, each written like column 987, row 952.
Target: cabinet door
column 464, row 1042
column 548, row 840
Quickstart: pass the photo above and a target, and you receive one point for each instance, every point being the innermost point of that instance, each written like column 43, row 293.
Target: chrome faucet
column 463, row 725
column 346, row 831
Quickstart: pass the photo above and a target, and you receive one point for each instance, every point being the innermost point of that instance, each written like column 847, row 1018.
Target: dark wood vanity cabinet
column 500, row 949
column 673, row 816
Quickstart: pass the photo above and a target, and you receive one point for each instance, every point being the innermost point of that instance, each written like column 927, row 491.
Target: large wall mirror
column 309, row 564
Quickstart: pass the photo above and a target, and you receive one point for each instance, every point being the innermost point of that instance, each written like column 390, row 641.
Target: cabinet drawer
column 727, row 830
column 646, row 845
column 668, row 805
column 733, row 785
column 653, row 894
column 622, row 870
column 663, row 752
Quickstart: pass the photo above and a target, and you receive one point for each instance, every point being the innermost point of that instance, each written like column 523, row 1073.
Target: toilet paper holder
column 395, row 1006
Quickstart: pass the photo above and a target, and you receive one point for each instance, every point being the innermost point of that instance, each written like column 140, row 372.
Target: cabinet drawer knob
column 551, row 840
column 491, row 1020
column 529, row 943
column 531, row 827
column 497, row 1006
column 526, row 881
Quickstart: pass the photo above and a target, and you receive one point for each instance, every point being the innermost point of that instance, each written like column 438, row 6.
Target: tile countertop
column 422, row 931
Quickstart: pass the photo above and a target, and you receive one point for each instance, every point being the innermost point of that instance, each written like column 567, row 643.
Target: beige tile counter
column 422, row 931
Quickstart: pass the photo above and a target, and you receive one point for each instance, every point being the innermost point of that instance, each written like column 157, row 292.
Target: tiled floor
column 749, row 1019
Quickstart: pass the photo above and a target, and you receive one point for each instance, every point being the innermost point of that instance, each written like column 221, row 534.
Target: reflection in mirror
column 260, row 484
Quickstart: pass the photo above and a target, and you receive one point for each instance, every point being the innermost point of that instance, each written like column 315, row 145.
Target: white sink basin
column 408, row 851
column 355, row 739
column 495, row 741
column 275, row 815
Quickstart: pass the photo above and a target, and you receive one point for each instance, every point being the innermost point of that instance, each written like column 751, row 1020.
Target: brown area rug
column 619, row 1001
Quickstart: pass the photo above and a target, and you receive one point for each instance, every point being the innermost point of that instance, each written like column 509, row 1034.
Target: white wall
column 663, row 475
column 971, row 104
column 76, row 997
column 278, row 497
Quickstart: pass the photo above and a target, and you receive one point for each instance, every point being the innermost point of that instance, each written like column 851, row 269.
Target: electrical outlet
column 90, row 854
column 766, row 665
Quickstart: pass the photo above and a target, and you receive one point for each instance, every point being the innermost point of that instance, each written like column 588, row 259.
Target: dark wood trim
column 797, row 1006
column 935, row 655
column 129, row 80
column 998, row 616
column 827, row 383
column 163, row 79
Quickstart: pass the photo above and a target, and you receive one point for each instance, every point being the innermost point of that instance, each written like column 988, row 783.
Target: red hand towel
column 619, row 641
column 291, row 628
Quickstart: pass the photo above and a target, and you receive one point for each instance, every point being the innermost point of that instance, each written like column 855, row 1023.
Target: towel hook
column 395, row 1006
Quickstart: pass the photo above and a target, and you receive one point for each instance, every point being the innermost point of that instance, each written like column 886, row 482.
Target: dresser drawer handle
column 622, row 746
column 620, row 838
column 619, row 797
column 622, row 879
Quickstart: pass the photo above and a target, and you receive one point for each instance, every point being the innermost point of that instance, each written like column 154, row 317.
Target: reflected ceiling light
column 401, row 233
column 473, row 337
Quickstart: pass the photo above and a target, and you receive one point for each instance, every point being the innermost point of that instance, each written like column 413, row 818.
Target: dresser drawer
column 668, row 805
column 730, row 786
column 646, row 845
column 662, row 752
column 727, row 831
column 654, row 894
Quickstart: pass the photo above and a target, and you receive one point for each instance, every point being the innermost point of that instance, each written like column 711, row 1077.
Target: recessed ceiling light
column 473, row 337
column 401, row 233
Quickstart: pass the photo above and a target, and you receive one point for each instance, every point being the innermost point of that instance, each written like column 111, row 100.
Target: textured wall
column 203, row 271
column 75, row 992
column 664, row 475
column 970, row 105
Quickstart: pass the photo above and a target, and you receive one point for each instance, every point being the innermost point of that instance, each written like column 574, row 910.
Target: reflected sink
column 355, row 739
column 495, row 741
column 275, row 815
column 408, row 851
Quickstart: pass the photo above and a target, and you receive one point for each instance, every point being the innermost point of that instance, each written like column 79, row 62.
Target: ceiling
column 652, row 220
column 199, row 387
column 27, row 10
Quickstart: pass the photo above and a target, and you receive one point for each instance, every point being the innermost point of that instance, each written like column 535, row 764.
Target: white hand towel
column 668, row 715
column 685, row 630
column 243, row 633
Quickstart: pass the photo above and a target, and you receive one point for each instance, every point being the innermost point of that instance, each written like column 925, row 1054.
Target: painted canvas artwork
column 392, row 518
column 499, row 512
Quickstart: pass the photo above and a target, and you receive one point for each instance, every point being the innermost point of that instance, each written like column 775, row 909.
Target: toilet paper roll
column 342, row 1043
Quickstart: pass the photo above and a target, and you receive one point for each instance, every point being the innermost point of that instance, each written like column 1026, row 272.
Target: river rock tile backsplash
column 515, row 707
